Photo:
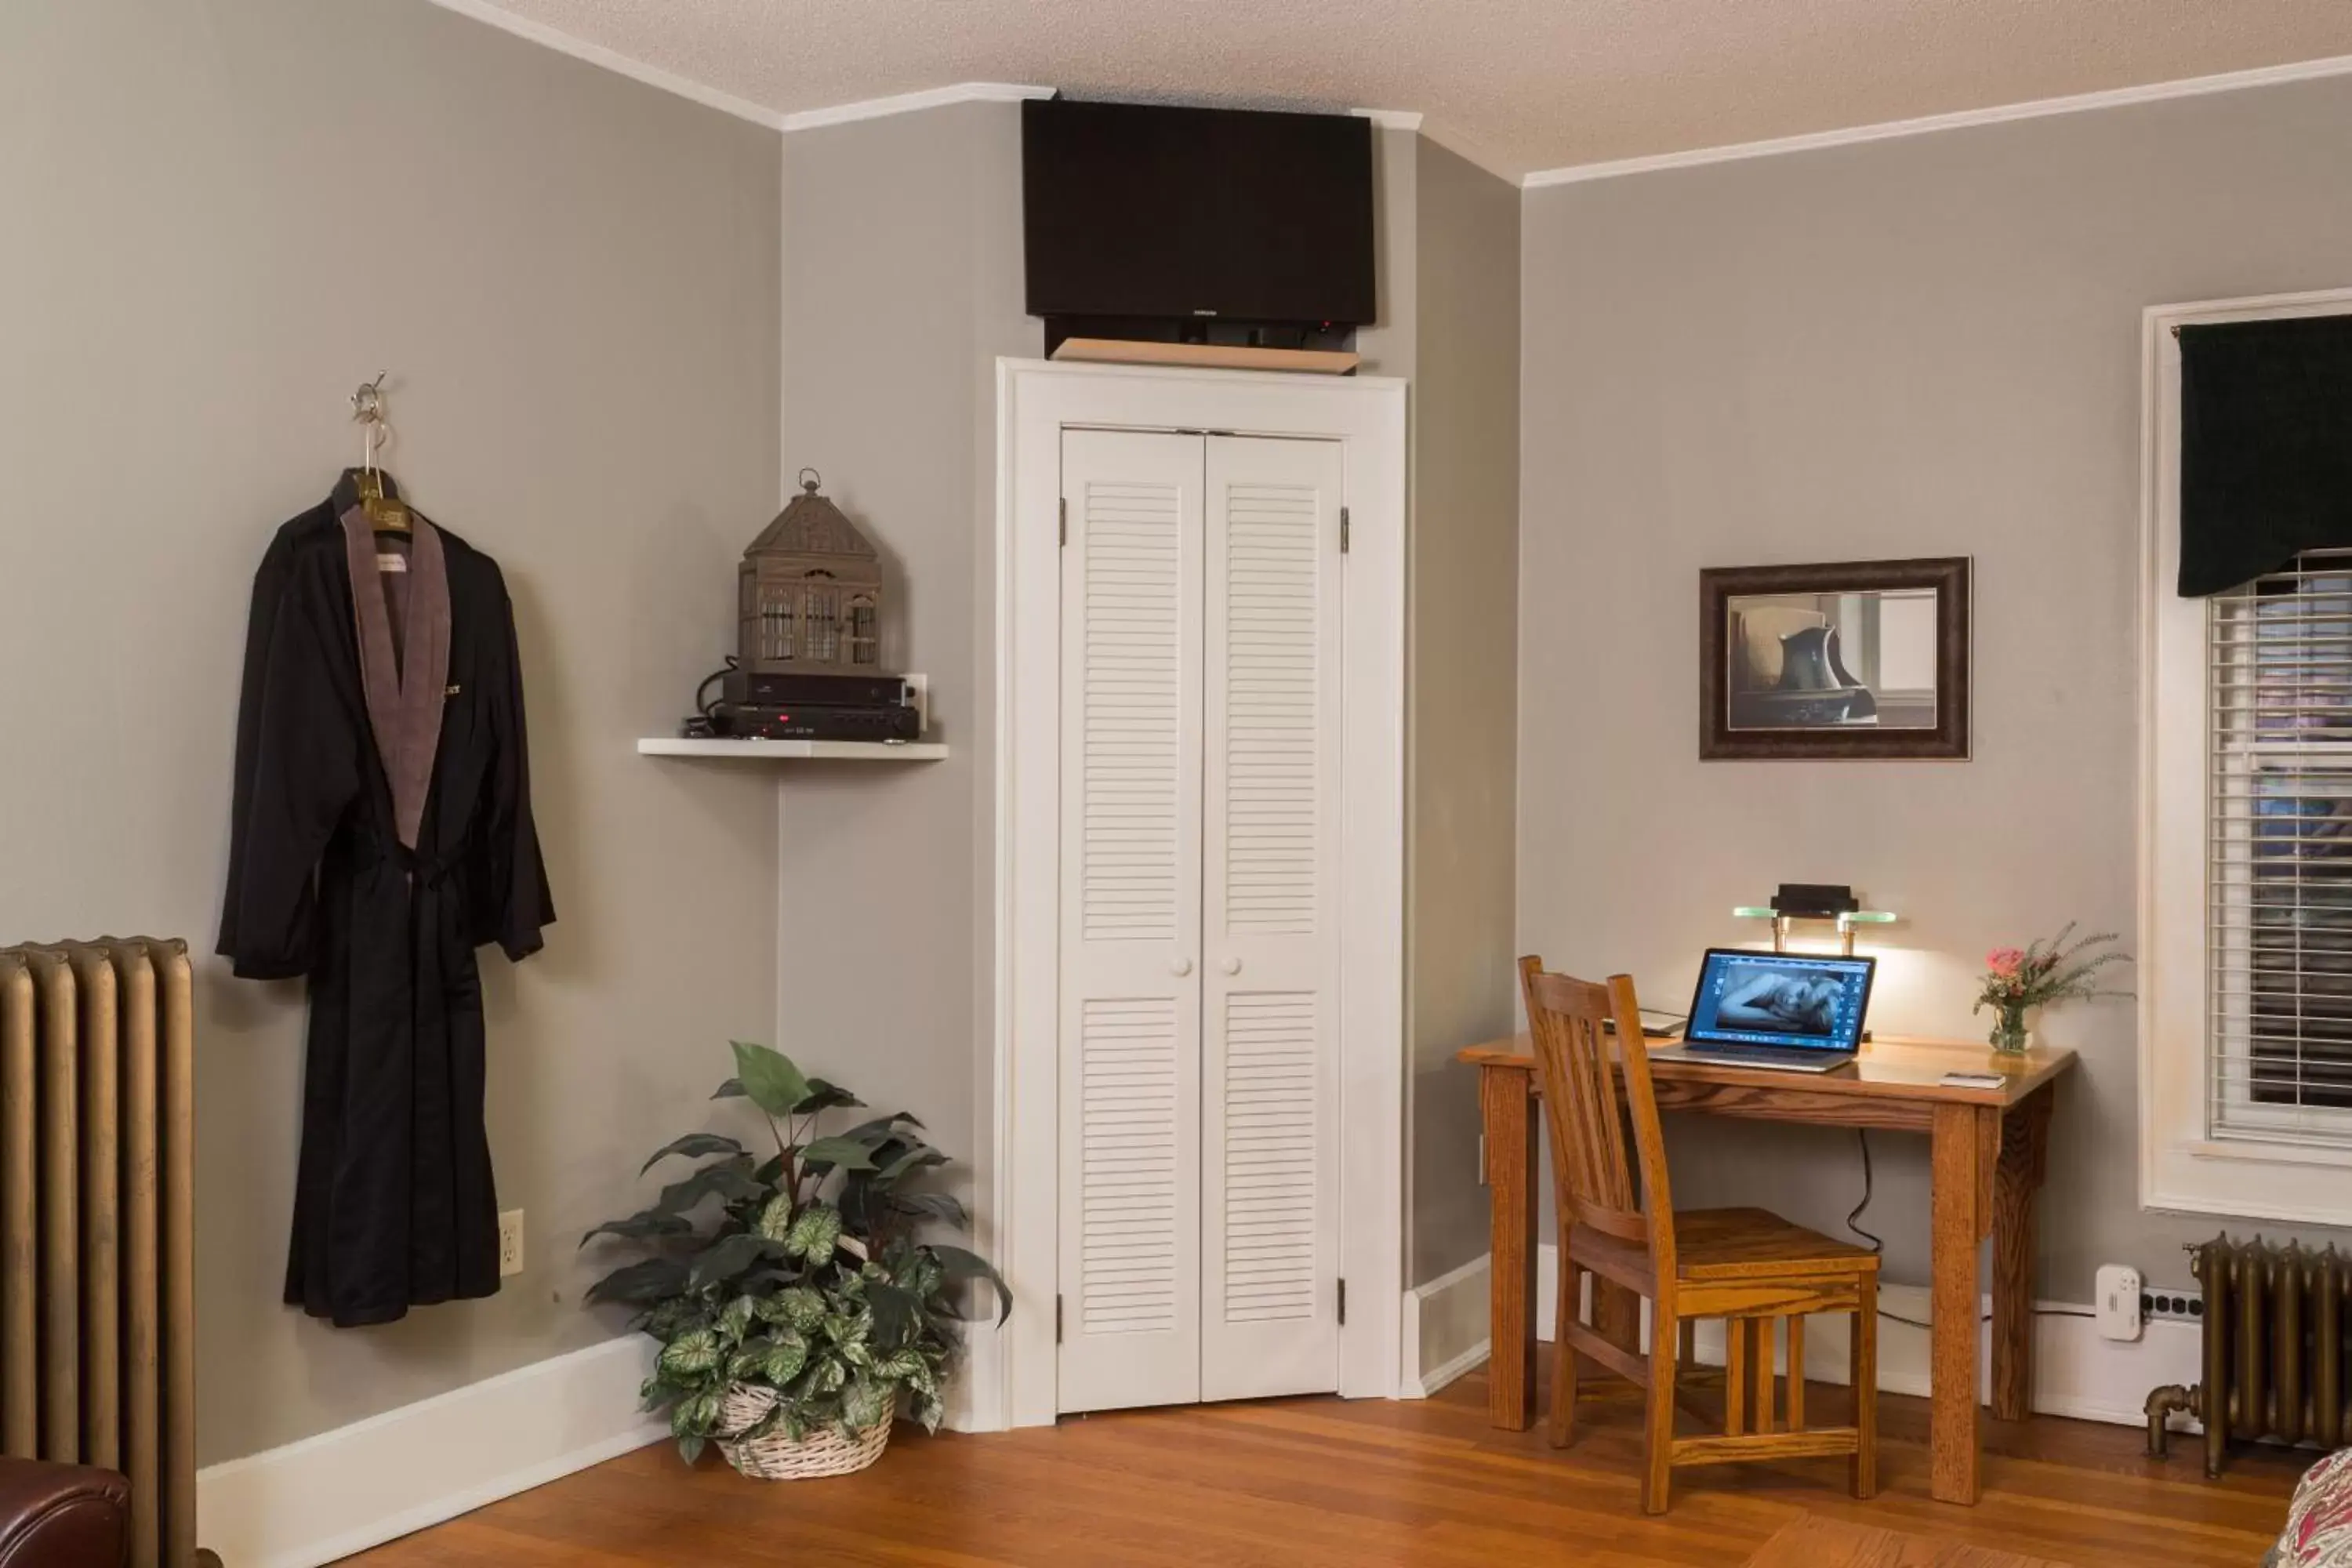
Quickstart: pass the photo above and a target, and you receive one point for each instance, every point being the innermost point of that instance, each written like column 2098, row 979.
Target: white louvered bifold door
column 1270, row 1198
column 1130, row 915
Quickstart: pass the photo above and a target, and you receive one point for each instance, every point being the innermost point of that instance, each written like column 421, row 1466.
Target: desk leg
column 2024, row 1135
column 1507, row 1110
column 1952, row 1362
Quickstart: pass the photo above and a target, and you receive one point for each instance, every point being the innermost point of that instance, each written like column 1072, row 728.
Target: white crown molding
column 612, row 60
column 2036, row 109
column 728, row 103
column 870, row 108
column 911, row 103
column 1413, row 120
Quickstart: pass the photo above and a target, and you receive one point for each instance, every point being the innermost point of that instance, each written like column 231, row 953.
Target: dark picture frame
column 1721, row 738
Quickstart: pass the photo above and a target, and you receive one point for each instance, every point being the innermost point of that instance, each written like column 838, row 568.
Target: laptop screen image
column 1800, row 1001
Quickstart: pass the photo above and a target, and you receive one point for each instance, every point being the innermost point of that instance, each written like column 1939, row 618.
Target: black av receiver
column 747, row 689
column 816, row 721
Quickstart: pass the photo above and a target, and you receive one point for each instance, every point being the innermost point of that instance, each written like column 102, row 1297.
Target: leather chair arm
column 62, row 1516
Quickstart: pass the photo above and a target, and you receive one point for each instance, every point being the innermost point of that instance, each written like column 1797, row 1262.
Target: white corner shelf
column 795, row 751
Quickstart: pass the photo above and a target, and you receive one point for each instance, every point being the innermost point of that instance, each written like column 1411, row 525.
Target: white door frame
column 1016, row 1371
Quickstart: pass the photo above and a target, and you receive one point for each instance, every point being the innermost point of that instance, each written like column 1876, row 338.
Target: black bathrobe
column 382, row 832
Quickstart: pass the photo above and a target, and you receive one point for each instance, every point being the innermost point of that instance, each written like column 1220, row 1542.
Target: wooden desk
column 1986, row 1149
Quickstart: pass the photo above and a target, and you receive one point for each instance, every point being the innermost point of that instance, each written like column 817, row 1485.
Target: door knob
column 1179, row 966
column 1231, row 966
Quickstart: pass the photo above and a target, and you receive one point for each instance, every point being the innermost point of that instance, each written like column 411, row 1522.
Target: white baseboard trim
column 1445, row 1324
column 2076, row 1372
column 330, row 1496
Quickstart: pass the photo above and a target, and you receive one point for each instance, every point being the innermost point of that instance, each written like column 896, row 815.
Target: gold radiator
column 97, row 1223
column 2274, row 1343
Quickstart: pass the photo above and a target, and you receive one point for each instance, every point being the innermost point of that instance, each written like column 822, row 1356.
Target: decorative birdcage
column 809, row 592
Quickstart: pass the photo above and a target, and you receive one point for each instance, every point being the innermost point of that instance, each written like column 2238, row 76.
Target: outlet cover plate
column 2117, row 1301
column 510, row 1243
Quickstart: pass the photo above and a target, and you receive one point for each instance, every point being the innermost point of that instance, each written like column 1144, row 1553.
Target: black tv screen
column 1140, row 210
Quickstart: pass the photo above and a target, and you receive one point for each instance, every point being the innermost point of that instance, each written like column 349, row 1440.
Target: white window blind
column 2279, row 904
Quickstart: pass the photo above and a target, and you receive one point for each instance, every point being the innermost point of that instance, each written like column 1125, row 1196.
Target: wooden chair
column 1748, row 1267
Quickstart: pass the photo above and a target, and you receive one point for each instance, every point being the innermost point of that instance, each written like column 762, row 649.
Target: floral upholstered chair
column 2319, row 1520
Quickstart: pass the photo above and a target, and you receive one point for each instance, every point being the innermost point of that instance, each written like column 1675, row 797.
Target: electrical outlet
column 2117, row 1301
column 2172, row 1303
column 510, row 1243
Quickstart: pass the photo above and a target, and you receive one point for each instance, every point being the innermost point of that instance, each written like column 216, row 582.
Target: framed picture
column 1855, row 658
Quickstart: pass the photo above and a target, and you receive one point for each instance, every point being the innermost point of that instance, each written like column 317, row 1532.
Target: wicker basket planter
column 779, row 1457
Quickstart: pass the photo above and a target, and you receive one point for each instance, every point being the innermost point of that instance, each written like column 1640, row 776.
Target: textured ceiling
column 1525, row 84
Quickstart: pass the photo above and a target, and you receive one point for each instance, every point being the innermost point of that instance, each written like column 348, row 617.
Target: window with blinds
column 2279, row 903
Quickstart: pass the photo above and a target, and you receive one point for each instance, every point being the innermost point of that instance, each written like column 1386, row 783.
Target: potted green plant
column 796, row 1306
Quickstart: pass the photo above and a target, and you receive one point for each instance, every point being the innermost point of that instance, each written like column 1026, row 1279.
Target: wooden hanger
column 386, row 513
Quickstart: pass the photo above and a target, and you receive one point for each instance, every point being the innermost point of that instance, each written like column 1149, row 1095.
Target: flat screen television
column 1146, row 215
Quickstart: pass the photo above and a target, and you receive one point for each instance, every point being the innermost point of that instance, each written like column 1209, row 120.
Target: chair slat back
column 1579, row 1064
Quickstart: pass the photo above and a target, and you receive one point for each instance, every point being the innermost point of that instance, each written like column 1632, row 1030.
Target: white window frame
column 2183, row 1167
column 1016, row 1370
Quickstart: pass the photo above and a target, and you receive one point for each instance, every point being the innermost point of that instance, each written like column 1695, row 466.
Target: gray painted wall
column 1917, row 347
column 1463, row 688
column 902, row 285
column 221, row 217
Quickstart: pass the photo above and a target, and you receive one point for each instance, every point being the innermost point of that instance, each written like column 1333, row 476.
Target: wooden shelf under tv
column 1212, row 356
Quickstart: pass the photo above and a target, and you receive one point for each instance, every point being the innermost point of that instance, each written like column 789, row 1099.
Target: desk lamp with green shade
column 1813, row 902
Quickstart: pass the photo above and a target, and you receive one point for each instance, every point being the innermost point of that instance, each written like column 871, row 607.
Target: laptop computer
column 1795, row 1011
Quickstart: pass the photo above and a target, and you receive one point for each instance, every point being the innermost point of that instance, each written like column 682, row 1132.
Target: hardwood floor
column 1322, row 1483
column 1817, row 1543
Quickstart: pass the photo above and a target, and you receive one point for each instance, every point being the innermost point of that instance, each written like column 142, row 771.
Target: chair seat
column 1718, row 1245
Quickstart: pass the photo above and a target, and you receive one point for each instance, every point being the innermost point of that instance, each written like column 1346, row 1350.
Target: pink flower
column 2004, row 959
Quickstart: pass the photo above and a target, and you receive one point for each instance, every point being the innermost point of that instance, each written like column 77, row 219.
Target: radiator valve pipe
column 2161, row 1402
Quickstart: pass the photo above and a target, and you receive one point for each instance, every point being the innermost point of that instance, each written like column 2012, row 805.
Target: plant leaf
column 778, row 1414
column 881, row 1127
column 736, row 1318
column 945, row 1207
column 639, row 1283
column 775, row 1220
column 895, row 1312
column 801, row 1306
column 844, row 1152
column 768, row 1076
column 690, row 1447
column 919, row 1157
column 694, row 1145
column 724, row 1259
column 865, row 1403
column 812, row 1233
column 731, row 1090
column 642, row 1226
column 960, row 1265
column 730, row 1178
column 786, row 1356
column 824, row 1095
column 692, row 1352
column 664, row 1318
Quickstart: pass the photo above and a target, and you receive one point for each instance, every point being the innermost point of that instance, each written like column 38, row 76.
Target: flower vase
column 2008, row 1029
